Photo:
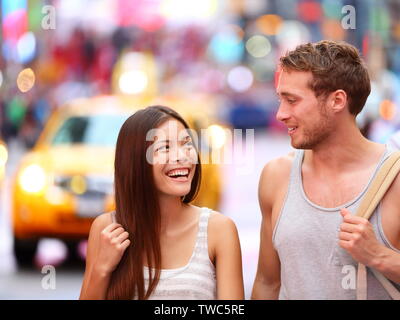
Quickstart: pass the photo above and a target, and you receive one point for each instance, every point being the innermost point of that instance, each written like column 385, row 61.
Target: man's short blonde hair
column 334, row 65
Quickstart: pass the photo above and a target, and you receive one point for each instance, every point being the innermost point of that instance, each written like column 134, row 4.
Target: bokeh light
column 332, row 9
column 291, row 34
column 179, row 10
column 310, row 11
column 217, row 136
column 240, row 78
column 332, row 29
column 387, row 110
column 258, row 46
column 226, row 46
column 3, row 155
column 396, row 31
column 26, row 80
column 133, row 82
column 78, row 184
column 33, row 179
column 26, row 47
column 269, row 24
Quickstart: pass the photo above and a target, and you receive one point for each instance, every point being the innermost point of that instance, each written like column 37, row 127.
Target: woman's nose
column 179, row 155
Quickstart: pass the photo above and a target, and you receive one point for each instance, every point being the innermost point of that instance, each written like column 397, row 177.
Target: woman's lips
column 179, row 174
column 180, row 179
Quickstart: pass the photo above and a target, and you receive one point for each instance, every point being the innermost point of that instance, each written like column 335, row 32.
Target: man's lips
column 292, row 129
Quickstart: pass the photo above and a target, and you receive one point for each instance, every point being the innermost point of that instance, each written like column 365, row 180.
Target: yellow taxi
column 67, row 178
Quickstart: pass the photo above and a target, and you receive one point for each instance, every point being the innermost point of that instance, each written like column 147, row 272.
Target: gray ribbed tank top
column 313, row 265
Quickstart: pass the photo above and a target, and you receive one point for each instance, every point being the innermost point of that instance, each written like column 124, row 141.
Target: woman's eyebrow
column 188, row 137
column 161, row 141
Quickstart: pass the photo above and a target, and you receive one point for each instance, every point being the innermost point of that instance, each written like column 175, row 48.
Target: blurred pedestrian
column 156, row 245
column 311, row 242
column 30, row 129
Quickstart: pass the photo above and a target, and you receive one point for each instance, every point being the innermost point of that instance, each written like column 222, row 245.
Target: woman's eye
column 163, row 148
column 188, row 145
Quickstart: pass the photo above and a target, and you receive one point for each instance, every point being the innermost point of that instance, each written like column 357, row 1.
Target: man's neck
column 345, row 150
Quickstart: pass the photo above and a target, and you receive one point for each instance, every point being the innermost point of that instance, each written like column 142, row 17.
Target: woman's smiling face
column 174, row 159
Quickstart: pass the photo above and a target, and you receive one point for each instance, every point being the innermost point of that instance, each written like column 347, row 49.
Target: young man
column 311, row 242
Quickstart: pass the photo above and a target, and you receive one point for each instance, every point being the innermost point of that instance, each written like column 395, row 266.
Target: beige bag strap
column 381, row 183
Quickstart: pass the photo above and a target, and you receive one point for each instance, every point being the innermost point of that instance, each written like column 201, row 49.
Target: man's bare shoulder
column 274, row 180
column 278, row 168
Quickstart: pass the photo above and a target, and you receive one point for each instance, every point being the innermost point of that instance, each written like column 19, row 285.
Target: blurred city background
column 71, row 71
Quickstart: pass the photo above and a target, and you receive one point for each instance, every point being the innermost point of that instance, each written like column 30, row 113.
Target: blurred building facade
column 53, row 51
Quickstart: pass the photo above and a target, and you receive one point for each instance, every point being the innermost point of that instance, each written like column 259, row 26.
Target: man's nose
column 282, row 113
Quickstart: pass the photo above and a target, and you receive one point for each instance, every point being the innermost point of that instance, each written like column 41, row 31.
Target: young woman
column 156, row 245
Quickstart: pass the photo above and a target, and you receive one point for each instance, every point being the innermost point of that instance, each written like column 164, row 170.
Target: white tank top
column 194, row 281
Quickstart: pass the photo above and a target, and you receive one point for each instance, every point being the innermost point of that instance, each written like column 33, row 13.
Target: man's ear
column 338, row 100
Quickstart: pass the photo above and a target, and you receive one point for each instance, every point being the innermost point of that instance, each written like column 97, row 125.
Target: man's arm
column 267, row 281
column 358, row 238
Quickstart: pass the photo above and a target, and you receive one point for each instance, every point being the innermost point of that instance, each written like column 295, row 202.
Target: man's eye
column 291, row 101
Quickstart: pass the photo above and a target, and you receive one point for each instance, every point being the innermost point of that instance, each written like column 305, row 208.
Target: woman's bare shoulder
column 222, row 234
column 217, row 221
column 220, row 224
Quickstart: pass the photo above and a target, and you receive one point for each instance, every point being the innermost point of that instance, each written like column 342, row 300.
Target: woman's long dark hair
column 137, row 205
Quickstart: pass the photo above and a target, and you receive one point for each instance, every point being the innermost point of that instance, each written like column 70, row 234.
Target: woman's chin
column 176, row 192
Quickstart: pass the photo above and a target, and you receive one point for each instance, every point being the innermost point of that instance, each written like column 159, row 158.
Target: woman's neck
column 171, row 211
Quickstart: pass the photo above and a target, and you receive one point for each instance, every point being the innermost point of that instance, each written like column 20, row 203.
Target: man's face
column 306, row 117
